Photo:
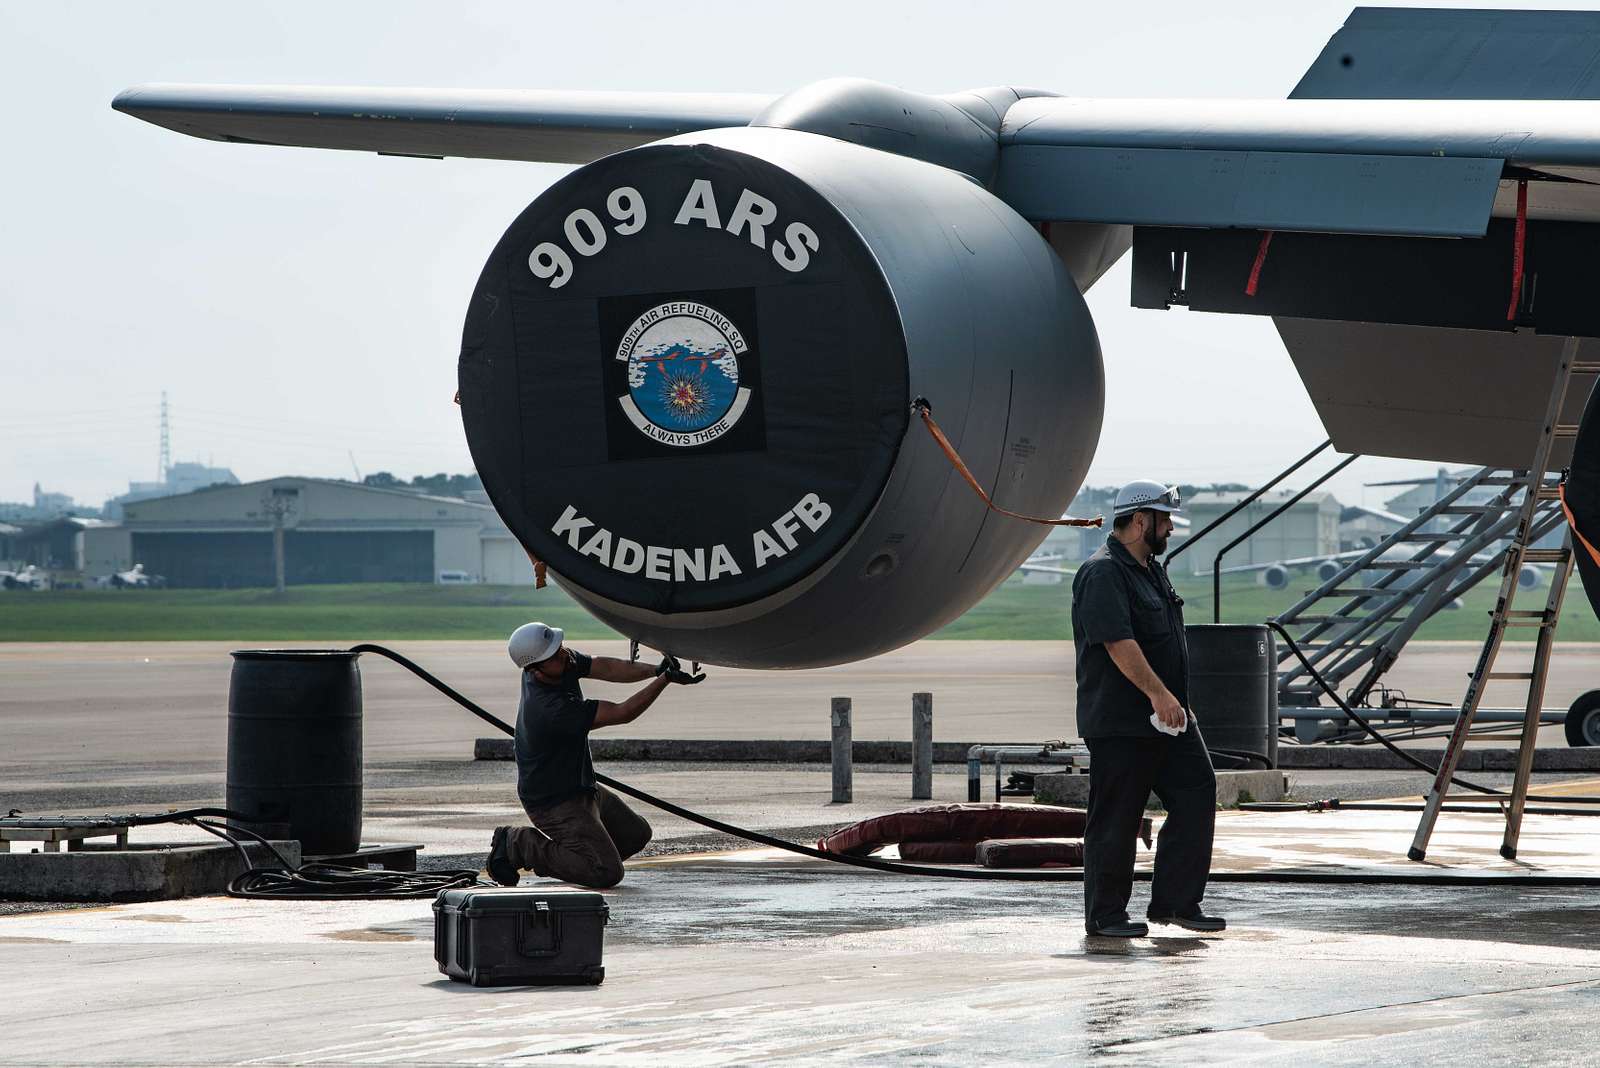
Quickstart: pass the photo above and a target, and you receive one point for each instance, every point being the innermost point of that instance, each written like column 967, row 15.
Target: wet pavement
column 752, row 955
column 743, row 958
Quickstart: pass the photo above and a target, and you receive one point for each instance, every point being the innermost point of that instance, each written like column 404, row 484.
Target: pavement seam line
column 1354, row 1012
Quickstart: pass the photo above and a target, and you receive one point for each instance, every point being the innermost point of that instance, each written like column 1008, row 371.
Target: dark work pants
column 582, row 840
column 1122, row 773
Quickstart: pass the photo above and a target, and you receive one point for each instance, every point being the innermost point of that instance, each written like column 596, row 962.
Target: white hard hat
column 1146, row 494
column 534, row 642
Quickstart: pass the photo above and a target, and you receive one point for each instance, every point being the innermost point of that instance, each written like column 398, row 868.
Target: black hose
column 331, row 882
column 1243, row 756
column 1065, row 876
column 336, row 882
column 321, row 881
column 1335, row 804
column 715, row 824
column 316, row 881
column 230, row 835
column 1415, row 762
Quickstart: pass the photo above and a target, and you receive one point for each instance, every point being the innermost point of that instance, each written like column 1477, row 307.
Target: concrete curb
column 741, row 751
column 1067, row 788
column 1372, row 758
column 141, row 873
column 1290, row 758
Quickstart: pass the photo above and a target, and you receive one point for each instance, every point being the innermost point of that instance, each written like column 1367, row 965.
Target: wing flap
column 1403, row 167
column 1426, row 393
column 551, row 126
column 1400, row 195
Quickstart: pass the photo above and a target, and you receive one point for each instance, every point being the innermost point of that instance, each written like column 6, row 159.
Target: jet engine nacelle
column 1275, row 577
column 687, row 377
column 1327, row 569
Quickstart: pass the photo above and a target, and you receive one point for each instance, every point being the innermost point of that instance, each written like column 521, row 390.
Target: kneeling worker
column 1133, row 672
column 581, row 831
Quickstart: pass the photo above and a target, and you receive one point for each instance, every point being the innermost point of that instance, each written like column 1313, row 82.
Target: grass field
column 1018, row 611
column 1015, row 611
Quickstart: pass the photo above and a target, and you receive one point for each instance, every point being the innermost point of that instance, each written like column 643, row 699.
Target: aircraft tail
column 1447, row 54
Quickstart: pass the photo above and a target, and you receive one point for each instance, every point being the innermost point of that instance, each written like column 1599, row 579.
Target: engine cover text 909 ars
column 752, row 215
column 698, row 564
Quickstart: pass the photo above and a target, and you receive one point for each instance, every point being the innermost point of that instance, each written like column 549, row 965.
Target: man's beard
column 1156, row 545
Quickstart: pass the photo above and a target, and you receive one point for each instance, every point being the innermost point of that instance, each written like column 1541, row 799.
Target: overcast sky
column 302, row 309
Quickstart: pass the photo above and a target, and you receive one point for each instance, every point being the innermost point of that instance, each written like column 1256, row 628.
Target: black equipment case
column 520, row 936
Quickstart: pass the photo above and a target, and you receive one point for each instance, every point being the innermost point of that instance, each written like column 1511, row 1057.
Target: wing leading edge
column 550, row 126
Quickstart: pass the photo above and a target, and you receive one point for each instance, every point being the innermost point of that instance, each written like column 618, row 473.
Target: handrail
column 1247, row 502
column 1382, row 655
column 1362, row 563
column 1216, row 562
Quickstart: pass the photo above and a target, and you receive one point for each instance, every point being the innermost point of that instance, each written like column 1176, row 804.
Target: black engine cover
column 686, row 378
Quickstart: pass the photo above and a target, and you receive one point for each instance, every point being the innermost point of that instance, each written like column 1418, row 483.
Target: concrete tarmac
column 741, row 959
column 733, row 957
column 141, row 701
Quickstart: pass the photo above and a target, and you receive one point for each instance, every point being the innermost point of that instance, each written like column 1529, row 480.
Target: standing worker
column 1133, row 673
column 581, row 831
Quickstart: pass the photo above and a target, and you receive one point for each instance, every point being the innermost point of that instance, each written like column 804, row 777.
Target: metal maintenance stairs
column 1357, row 621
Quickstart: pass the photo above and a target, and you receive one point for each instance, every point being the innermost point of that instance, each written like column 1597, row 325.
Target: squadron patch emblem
column 682, row 360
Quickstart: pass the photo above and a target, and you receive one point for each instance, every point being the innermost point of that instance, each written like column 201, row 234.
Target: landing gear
column 1583, row 720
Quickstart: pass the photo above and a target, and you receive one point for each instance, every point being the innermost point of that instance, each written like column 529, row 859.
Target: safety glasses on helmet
column 1151, row 495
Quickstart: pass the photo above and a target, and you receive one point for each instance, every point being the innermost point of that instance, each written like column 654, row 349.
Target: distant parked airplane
column 1275, row 573
column 1047, row 564
column 132, row 579
column 29, row 578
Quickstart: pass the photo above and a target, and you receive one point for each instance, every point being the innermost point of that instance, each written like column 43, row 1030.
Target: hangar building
column 333, row 532
column 1361, row 527
column 1309, row 528
column 57, row 546
column 8, row 544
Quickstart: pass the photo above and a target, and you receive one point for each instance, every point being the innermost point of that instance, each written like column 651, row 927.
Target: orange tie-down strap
column 921, row 408
column 1561, row 491
column 538, row 570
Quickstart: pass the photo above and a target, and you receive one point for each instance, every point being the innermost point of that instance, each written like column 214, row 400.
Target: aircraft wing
column 1299, row 561
column 552, row 126
column 1319, row 211
column 1421, row 168
column 1047, row 569
column 1405, row 124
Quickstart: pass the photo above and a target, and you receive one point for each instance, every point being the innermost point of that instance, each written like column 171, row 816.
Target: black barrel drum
column 294, row 745
column 1233, row 682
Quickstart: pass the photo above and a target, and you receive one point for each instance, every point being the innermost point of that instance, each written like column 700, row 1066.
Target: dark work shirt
column 552, row 745
column 1115, row 598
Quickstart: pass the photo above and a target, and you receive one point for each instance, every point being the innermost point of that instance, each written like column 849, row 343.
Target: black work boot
column 1192, row 920
column 1120, row 927
column 501, row 870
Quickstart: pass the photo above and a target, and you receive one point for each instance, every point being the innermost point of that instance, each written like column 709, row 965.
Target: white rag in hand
column 1155, row 721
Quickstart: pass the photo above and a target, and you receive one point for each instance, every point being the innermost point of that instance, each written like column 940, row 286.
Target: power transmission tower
column 280, row 504
column 164, row 463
